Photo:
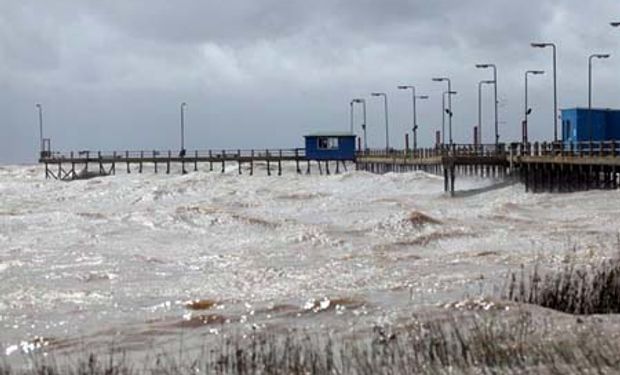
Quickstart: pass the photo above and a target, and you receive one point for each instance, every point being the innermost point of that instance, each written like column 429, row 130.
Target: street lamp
column 183, row 105
column 590, row 58
column 487, row 66
column 527, row 109
column 351, row 117
column 555, row 86
column 415, row 128
column 415, row 117
column 615, row 24
column 480, row 106
column 40, row 109
column 363, row 102
column 387, row 132
column 444, row 79
column 443, row 114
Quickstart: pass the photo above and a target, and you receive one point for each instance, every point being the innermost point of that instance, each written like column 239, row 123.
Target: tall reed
column 455, row 345
column 576, row 289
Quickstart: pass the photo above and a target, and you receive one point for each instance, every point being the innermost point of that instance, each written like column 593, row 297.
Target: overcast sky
column 260, row 73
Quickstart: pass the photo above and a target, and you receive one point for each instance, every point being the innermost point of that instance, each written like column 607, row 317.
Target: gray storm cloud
column 111, row 74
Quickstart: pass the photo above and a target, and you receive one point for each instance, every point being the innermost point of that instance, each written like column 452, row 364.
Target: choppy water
column 119, row 259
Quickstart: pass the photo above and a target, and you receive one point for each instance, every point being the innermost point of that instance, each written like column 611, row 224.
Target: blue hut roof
column 330, row 134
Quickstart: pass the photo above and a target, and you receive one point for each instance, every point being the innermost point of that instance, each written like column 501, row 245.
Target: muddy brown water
column 142, row 261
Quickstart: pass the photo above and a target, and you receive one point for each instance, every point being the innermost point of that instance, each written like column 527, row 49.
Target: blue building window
column 327, row 143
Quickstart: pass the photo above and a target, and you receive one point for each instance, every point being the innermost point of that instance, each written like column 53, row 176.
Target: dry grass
column 476, row 344
column 575, row 289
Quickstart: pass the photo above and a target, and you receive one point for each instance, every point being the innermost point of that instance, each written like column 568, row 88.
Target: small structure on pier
column 330, row 146
column 584, row 125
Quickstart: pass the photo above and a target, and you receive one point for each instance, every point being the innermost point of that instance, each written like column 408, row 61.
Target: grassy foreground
column 475, row 343
column 468, row 338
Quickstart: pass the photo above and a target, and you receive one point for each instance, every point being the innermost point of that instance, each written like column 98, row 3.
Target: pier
column 541, row 167
column 448, row 161
column 73, row 165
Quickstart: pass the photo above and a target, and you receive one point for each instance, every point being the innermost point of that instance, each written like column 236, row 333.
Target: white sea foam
column 109, row 252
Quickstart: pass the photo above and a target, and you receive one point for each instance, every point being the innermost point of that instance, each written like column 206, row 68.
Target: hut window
column 327, row 143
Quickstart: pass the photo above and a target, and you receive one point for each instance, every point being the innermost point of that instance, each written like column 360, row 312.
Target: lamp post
column 415, row 128
column 443, row 114
column 387, row 132
column 40, row 110
column 555, row 85
column 615, row 24
column 449, row 111
column 480, row 107
column 590, row 58
column 414, row 97
column 528, row 110
column 351, row 117
column 363, row 102
column 492, row 66
column 183, row 105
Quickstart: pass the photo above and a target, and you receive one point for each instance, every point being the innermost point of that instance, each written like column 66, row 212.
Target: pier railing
column 84, row 164
column 292, row 154
column 541, row 166
column 538, row 149
column 535, row 149
column 481, row 150
column 559, row 166
column 568, row 149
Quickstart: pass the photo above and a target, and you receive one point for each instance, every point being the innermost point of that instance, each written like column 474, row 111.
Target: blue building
column 330, row 146
column 605, row 125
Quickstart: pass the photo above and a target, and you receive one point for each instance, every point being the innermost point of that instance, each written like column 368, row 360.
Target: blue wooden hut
column 582, row 125
column 330, row 146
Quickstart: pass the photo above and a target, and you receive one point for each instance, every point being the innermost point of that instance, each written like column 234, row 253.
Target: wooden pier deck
column 84, row 164
column 552, row 167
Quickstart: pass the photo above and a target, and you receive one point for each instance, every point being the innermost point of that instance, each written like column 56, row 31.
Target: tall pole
column 443, row 118
column 594, row 56
column 415, row 114
column 415, row 118
column 415, row 122
column 450, row 113
column 590, row 96
column 363, row 102
column 351, row 117
column 480, row 110
column 555, row 95
column 385, row 104
column 183, row 105
column 555, row 86
column 443, row 112
column 387, row 133
column 480, row 107
column 496, row 102
column 414, row 98
column 527, row 110
column 364, row 124
column 40, row 109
